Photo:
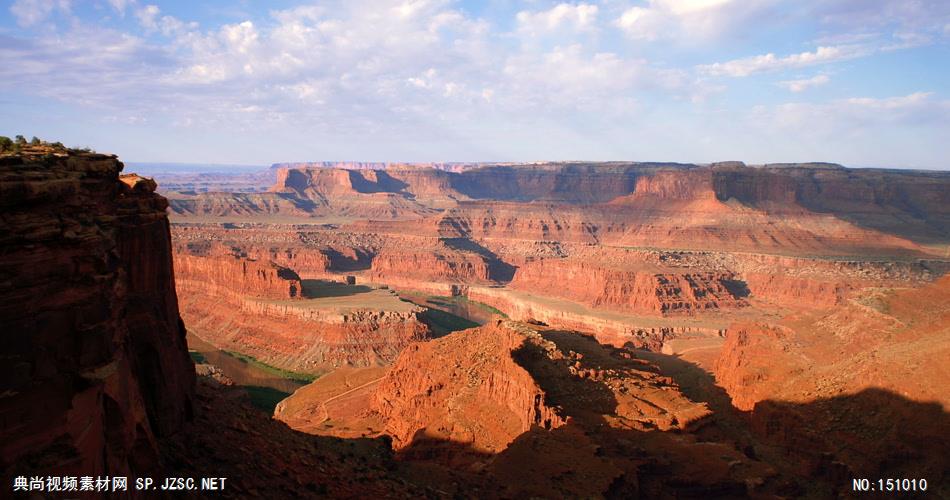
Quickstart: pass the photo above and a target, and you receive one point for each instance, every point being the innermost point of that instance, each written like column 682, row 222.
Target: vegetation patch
column 197, row 357
column 15, row 145
column 303, row 378
column 461, row 299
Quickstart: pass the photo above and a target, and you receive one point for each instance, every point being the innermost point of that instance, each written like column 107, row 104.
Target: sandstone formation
column 237, row 204
column 95, row 362
column 629, row 290
column 539, row 412
column 612, row 328
column 479, row 389
column 646, row 239
column 475, row 393
column 433, row 266
column 856, row 357
column 239, row 275
column 265, row 311
column 737, row 204
column 890, row 338
column 820, row 290
column 278, row 245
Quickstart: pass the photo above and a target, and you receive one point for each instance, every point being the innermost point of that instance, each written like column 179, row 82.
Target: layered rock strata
column 95, row 362
column 433, row 266
column 807, row 207
column 248, row 277
column 612, row 328
column 643, row 291
column 256, row 311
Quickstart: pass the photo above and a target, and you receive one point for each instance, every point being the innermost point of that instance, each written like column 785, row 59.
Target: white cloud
column 770, row 62
column 121, row 5
column 241, row 38
column 395, row 70
column 579, row 17
column 148, row 17
column 640, row 23
column 804, row 84
column 31, row 12
column 898, row 131
column 573, row 77
column 917, row 101
column 689, row 20
column 693, row 21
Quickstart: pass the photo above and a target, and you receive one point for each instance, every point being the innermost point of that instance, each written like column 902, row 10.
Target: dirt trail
column 323, row 404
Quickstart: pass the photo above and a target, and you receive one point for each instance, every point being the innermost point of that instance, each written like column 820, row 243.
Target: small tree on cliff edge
column 5, row 144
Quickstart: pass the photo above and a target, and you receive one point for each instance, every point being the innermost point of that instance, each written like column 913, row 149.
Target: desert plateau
column 444, row 249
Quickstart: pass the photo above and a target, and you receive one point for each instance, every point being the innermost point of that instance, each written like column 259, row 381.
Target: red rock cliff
column 433, row 265
column 245, row 276
column 646, row 291
column 95, row 362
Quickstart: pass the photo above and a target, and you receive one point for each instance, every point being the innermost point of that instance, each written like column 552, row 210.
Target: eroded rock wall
column 613, row 329
column 643, row 291
column 95, row 362
column 261, row 310
column 429, row 266
column 248, row 277
column 296, row 336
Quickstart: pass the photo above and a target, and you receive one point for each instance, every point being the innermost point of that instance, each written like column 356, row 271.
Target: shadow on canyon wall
column 359, row 261
column 498, row 270
column 813, row 449
column 442, row 323
column 384, row 182
column 319, row 289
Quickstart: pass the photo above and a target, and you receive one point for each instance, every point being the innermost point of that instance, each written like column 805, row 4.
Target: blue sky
column 860, row 82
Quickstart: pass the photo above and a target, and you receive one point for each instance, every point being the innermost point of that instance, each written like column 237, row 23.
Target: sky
column 864, row 83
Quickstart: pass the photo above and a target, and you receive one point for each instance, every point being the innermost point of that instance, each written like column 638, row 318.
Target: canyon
column 493, row 330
